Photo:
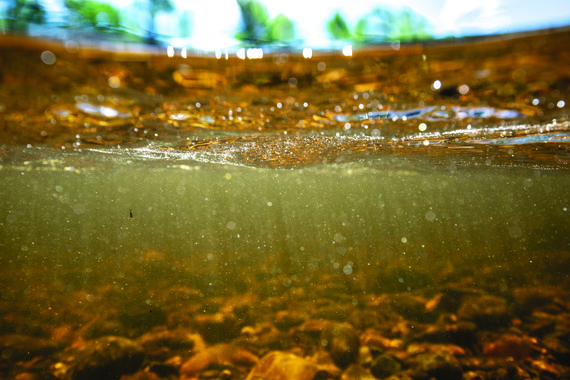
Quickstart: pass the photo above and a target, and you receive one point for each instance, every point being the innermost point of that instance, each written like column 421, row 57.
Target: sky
column 213, row 23
column 447, row 17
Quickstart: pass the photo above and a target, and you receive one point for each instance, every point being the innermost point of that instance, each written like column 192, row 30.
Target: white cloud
column 465, row 17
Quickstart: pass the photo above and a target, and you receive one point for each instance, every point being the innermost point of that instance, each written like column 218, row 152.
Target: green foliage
column 337, row 28
column 386, row 25
column 378, row 25
column 258, row 28
column 95, row 13
column 160, row 6
column 22, row 13
column 280, row 29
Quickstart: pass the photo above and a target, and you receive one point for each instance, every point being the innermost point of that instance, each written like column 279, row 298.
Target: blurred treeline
column 98, row 19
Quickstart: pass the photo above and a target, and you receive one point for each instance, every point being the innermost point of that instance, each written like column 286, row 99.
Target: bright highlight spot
column 307, row 53
column 114, row 82
column 183, row 53
column 463, row 89
column 347, row 51
column 170, row 51
column 436, row 85
column 255, row 53
column 218, row 53
column 535, row 102
column 560, row 104
column 240, row 53
column 109, row 112
column 422, row 127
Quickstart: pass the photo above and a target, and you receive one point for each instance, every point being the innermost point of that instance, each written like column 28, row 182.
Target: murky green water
column 236, row 216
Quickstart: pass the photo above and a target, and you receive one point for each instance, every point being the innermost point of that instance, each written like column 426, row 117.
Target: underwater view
column 397, row 212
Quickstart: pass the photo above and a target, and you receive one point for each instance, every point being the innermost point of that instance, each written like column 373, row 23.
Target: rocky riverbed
column 155, row 317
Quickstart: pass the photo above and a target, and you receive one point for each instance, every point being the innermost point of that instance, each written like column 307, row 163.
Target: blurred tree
column 258, row 28
column 156, row 6
column 94, row 13
column 20, row 13
column 254, row 17
column 337, row 28
column 385, row 25
column 280, row 29
column 411, row 26
column 377, row 25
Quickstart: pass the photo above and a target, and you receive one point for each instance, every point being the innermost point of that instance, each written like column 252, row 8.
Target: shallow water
column 130, row 182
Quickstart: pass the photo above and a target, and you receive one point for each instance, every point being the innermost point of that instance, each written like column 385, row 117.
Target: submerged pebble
column 342, row 342
column 283, row 365
column 103, row 358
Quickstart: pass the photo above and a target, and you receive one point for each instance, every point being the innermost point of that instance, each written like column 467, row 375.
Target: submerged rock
column 16, row 347
column 279, row 365
column 104, row 358
column 218, row 357
column 410, row 307
column 285, row 319
column 511, row 346
column 488, row 312
column 161, row 344
column 385, row 365
column 142, row 375
column 357, row 372
column 341, row 341
column 448, row 330
column 219, row 327
column 439, row 365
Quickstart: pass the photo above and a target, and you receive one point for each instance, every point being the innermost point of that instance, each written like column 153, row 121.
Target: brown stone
column 356, row 372
column 220, row 355
column 511, row 346
column 440, row 365
column 104, row 358
column 342, row 342
column 285, row 319
column 16, row 347
column 279, row 365
column 162, row 343
column 488, row 312
column 217, row 328
column 385, row 365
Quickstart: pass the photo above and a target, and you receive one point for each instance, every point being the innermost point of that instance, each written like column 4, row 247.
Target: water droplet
column 338, row 237
column 463, row 89
column 48, row 57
